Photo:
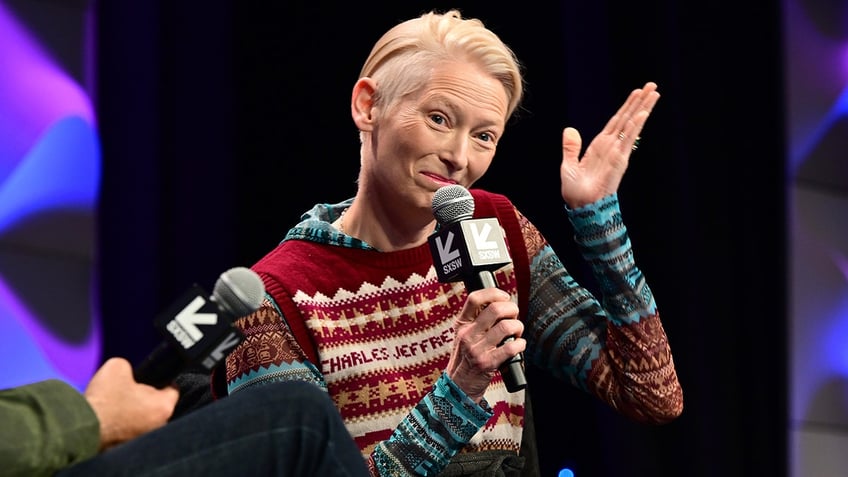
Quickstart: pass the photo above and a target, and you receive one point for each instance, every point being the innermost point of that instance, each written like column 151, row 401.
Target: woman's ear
column 362, row 104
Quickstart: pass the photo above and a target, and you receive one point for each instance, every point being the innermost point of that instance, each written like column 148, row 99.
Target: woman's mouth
column 439, row 179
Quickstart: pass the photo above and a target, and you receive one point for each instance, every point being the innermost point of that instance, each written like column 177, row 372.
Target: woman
column 354, row 303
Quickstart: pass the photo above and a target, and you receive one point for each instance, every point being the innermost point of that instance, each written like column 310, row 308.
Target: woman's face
column 446, row 133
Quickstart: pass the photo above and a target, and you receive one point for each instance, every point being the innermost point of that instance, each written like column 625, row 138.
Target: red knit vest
column 379, row 325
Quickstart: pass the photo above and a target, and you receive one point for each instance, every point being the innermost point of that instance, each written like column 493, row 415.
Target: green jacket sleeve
column 45, row 427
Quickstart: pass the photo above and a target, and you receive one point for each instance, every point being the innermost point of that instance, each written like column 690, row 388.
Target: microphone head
column 452, row 203
column 239, row 291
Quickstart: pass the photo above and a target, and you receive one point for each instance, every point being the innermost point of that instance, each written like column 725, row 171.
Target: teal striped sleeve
column 566, row 327
column 442, row 423
column 605, row 245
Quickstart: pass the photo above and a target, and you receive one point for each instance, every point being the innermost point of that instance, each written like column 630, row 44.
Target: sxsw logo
column 200, row 334
column 198, row 328
column 469, row 244
column 449, row 256
column 184, row 326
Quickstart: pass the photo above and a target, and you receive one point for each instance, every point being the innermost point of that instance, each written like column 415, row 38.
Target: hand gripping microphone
column 198, row 328
column 469, row 250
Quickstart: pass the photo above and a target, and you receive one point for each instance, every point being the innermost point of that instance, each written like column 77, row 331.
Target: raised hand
column 598, row 173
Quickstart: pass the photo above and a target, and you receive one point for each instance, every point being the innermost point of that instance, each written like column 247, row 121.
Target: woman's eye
column 487, row 138
column 437, row 118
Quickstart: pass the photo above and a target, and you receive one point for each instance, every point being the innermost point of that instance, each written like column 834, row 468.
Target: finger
column 478, row 300
column 644, row 101
column 633, row 129
column 623, row 123
column 642, row 110
column 627, row 112
column 618, row 120
column 571, row 145
column 647, row 99
column 170, row 394
column 510, row 348
column 636, row 116
column 490, row 317
column 507, row 328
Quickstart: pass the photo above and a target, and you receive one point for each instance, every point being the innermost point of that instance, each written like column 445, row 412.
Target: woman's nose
column 457, row 149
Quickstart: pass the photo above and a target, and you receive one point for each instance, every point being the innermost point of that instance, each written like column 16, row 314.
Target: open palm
column 598, row 173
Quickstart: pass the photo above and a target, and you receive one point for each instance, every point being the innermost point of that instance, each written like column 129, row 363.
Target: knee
column 299, row 396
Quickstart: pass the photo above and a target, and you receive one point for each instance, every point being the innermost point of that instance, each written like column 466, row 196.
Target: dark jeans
column 281, row 429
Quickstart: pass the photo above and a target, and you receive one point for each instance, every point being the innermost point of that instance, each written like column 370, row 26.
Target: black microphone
column 198, row 328
column 469, row 250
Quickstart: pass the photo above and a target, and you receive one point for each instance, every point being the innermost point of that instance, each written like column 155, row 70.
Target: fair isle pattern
column 379, row 327
column 645, row 386
column 266, row 354
column 382, row 349
column 381, row 340
column 604, row 243
column 568, row 323
column 447, row 408
column 618, row 352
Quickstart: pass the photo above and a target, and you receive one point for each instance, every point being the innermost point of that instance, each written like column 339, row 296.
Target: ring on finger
column 636, row 143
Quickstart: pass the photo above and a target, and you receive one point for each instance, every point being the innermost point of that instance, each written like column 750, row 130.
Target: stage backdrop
column 817, row 125
column 49, row 182
column 147, row 146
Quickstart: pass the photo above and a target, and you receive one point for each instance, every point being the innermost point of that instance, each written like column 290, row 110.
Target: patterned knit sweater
column 376, row 330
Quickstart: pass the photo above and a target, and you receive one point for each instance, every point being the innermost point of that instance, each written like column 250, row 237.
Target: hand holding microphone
column 470, row 250
column 198, row 328
column 124, row 408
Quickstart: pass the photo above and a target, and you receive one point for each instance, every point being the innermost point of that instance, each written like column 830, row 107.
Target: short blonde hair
column 402, row 59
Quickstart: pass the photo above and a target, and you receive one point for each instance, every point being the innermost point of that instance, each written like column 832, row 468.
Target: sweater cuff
column 597, row 222
column 475, row 415
column 435, row 430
